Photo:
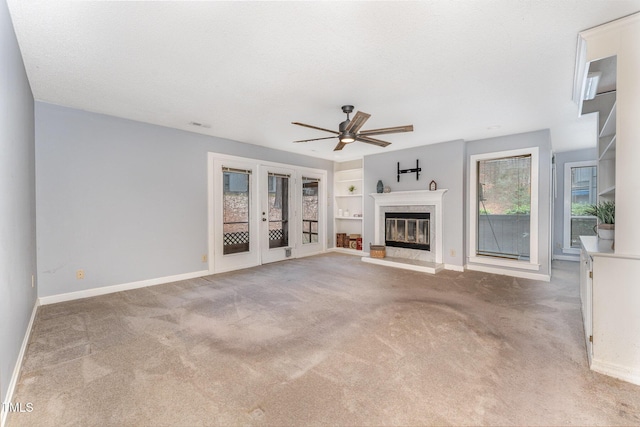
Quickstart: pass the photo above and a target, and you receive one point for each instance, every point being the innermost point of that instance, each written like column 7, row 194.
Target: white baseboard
column 453, row 267
column 311, row 254
column 505, row 272
column 18, row 366
column 623, row 373
column 421, row 266
column 118, row 288
column 348, row 251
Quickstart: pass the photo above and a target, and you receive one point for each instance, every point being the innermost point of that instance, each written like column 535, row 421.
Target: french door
column 233, row 220
column 261, row 213
column 277, row 225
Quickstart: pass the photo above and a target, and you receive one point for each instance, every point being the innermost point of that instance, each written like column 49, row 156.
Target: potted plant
column 606, row 214
column 352, row 188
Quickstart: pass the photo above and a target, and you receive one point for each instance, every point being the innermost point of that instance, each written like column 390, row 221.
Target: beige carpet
column 322, row 340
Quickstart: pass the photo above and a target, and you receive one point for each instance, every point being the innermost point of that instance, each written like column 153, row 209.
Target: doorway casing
column 217, row 262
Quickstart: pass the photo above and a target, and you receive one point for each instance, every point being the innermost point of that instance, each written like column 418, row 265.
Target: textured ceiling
column 454, row 69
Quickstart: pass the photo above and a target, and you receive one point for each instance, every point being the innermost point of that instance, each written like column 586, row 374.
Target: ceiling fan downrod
column 344, row 136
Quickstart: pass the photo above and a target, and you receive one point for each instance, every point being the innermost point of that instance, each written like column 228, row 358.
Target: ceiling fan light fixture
column 347, row 138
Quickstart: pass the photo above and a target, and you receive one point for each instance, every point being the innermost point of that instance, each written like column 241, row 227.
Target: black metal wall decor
column 417, row 170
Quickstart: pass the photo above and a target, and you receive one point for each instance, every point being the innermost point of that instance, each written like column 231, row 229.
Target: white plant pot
column 606, row 231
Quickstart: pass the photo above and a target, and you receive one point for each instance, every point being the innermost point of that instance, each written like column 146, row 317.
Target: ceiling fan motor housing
column 347, row 109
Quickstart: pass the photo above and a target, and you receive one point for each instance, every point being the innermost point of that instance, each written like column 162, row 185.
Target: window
column 580, row 191
column 504, row 209
column 310, row 187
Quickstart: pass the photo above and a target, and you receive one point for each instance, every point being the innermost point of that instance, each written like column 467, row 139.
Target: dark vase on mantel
column 380, row 186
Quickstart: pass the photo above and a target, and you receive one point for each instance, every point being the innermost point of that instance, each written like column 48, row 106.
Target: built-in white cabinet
column 609, row 292
column 610, row 285
column 348, row 205
column 586, row 289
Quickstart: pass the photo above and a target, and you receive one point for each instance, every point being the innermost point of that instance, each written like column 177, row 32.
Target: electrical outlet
column 205, row 258
column 79, row 274
column 452, row 252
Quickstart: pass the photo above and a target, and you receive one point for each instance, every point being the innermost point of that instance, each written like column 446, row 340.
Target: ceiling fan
column 349, row 130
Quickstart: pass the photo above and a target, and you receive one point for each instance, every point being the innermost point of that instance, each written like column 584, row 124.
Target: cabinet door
column 586, row 290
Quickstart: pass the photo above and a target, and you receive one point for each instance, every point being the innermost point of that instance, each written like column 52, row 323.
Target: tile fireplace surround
column 410, row 201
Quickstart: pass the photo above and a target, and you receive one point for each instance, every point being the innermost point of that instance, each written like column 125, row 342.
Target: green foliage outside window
column 580, row 209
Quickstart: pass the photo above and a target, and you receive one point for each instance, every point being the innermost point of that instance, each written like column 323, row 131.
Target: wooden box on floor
column 377, row 251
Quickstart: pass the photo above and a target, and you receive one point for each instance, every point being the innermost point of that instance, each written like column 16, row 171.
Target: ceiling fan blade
column 373, row 141
column 356, row 123
column 340, row 146
column 315, row 139
column 383, row 131
column 314, row 127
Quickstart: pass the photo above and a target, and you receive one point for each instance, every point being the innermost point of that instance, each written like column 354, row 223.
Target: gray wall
column 125, row 201
column 443, row 163
column 558, row 205
column 542, row 140
column 17, row 201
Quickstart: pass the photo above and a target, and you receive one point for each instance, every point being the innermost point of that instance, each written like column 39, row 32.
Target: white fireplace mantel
column 412, row 198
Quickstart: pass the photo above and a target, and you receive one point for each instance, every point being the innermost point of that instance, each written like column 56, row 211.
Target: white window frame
column 532, row 263
column 566, row 240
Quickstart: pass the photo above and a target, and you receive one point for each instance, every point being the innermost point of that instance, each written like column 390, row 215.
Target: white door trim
column 257, row 166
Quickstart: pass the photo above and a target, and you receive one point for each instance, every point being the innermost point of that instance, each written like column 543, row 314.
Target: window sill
column 523, row 265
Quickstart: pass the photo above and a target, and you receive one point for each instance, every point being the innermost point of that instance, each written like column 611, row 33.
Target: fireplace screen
column 407, row 230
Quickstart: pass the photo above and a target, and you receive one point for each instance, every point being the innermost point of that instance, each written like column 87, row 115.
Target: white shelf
column 605, row 106
column 609, row 126
column 345, row 201
column 609, row 191
column 607, row 147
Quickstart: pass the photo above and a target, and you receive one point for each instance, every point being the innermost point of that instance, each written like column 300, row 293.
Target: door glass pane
column 235, row 212
column 278, row 211
column 583, row 194
column 310, row 210
column 504, row 206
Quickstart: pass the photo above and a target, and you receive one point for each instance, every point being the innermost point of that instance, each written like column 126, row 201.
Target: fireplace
column 419, row 210
column 410, row 230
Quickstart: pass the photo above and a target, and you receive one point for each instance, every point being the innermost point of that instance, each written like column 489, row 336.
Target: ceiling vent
column 200, row 125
